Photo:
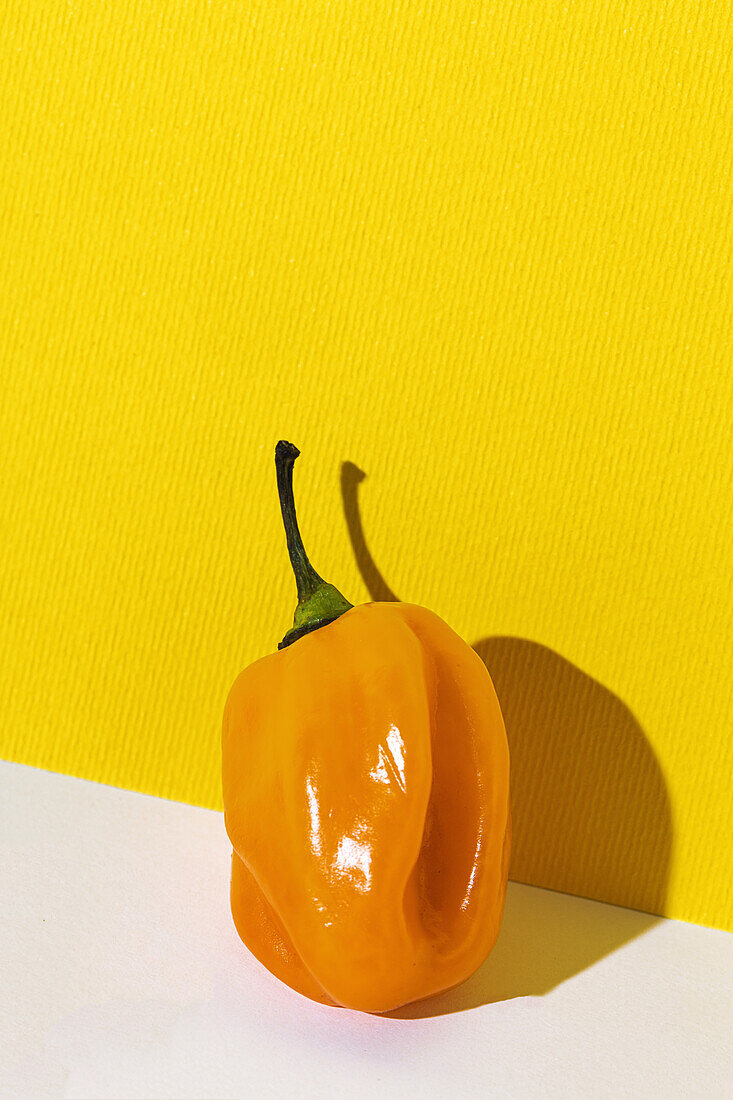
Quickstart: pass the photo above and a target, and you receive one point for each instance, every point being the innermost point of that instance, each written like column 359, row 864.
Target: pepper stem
column 319, row 603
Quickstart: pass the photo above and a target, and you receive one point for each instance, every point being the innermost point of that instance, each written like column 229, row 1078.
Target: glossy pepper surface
column 366, row 796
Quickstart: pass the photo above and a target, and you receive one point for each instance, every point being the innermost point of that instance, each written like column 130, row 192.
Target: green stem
column 319, row 603
column 306, row 577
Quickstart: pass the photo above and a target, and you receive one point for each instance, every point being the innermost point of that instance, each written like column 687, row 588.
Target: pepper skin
column 366, row 795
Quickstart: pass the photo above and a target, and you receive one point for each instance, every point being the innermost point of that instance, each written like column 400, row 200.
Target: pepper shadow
column 590, row 813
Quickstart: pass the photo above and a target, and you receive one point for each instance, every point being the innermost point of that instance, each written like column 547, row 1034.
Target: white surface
column 123, row 976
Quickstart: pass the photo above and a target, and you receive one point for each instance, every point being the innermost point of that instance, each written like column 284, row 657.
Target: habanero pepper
column 366, row 795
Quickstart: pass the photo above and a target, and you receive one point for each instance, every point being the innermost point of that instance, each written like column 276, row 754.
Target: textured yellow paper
column 480, row 250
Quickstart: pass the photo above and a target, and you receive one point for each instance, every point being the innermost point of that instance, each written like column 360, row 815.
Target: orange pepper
column 366, row 796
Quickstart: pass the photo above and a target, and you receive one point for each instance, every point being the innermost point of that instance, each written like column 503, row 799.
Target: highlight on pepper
column 366, row 796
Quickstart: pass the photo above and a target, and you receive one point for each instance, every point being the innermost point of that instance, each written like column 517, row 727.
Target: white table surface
column 122, row 976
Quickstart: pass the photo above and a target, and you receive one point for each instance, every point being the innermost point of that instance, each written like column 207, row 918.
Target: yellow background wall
column 480, row 250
